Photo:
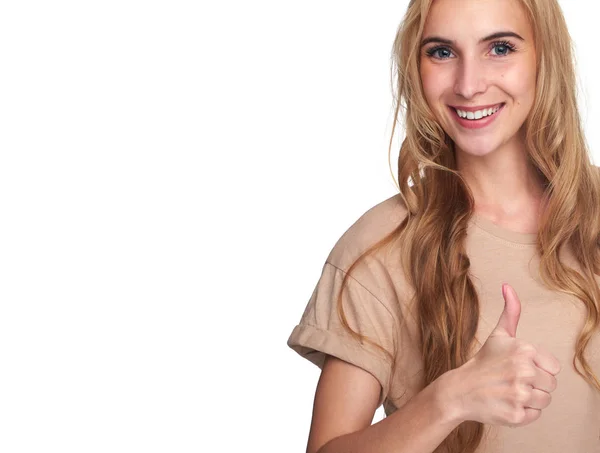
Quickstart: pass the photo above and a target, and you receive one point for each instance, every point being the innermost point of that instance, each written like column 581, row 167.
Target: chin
column 476, row 151
column 477, row 147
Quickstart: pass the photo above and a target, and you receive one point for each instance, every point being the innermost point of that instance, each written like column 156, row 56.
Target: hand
column 509, row 381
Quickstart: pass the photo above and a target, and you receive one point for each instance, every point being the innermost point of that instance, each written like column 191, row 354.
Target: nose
column 470, row 78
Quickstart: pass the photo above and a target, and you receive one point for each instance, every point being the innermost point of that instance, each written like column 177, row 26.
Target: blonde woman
column 468, row 303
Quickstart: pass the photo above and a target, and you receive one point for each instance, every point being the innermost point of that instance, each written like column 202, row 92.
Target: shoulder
column 372, row 226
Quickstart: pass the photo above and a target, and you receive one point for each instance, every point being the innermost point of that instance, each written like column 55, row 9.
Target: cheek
column 519, row 81
column 433, row 81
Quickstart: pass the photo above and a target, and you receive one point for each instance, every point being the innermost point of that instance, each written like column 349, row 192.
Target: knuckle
column 520, row 372
column 516, row 363
column 516, row 417
column 525, row 371
column 523, row 395
column 527, row 350
column 519, row 395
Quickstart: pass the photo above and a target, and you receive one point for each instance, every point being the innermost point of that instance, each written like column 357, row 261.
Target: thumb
column 507, row 324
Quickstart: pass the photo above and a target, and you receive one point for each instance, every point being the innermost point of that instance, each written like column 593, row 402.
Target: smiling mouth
column 477, row 114
column 477, row 120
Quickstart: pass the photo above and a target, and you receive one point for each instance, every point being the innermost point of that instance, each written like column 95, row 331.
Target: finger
column 509, row 318
column 545, row 360
column 539, row 399
column 531, row 415
column 542, row 380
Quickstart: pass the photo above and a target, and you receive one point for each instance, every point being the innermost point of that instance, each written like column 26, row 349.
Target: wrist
column 449, row 399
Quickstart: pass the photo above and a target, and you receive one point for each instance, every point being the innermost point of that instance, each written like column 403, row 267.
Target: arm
column 418, row 427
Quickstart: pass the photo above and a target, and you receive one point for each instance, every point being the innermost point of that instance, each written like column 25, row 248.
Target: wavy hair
column 433, row 253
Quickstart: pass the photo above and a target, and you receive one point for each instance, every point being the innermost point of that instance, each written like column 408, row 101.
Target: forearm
column 417, row 427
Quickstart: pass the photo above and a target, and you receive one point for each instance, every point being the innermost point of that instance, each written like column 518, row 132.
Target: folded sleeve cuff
column 314, row 343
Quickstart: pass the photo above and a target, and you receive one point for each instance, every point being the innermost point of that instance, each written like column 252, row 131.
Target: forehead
column 472, row 19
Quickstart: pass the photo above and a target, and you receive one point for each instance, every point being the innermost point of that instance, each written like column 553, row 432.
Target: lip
column 476, row 124
column 474, row 109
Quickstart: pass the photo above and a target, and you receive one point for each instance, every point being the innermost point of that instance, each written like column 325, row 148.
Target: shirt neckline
column 503, row 233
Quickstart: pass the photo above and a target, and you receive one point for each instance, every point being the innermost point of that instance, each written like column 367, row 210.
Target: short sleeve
column 321, row 332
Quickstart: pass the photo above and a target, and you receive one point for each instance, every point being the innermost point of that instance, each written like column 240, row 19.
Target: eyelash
column 511, row 48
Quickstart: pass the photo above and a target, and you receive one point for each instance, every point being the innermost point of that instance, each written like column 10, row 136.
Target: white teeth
column 477, row 114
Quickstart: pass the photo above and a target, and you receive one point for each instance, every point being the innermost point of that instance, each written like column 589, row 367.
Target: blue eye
column 433, row 50
column 509, row 48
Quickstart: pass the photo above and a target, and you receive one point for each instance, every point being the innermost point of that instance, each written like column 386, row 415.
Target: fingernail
column 503, row 289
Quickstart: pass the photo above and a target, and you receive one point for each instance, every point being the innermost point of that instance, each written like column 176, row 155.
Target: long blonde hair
column 433, row 233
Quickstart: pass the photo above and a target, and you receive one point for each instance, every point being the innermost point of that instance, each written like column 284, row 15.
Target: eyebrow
column 498, row 34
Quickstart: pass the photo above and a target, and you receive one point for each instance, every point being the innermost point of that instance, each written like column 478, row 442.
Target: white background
column 172, row 177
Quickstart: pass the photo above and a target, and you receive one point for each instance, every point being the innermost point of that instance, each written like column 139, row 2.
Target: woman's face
column 463, row 65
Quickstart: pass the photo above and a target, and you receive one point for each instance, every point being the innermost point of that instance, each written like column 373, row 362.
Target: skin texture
column 345, row 403
column 493, row 160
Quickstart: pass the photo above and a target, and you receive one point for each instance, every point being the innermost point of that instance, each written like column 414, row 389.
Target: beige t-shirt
column 376, row 305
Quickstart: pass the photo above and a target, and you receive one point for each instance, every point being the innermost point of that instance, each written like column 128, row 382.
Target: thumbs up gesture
column 509, row 381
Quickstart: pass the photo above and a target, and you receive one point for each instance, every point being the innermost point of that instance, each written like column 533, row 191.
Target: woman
column 409, row 311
